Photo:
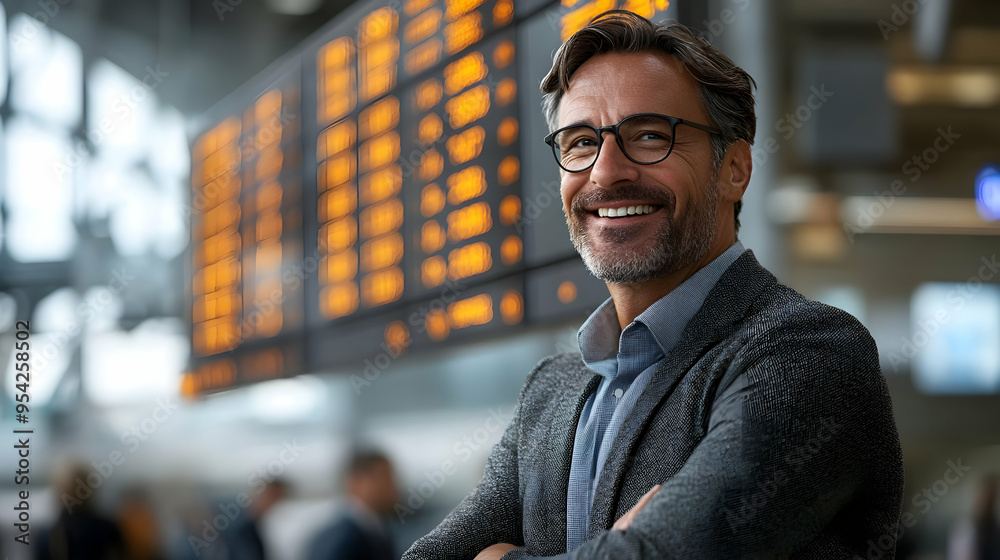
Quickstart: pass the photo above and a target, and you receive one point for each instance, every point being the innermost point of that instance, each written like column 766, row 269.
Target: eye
column 646, row 130
column 649, row 137
column 653, row 135
column 576, row 140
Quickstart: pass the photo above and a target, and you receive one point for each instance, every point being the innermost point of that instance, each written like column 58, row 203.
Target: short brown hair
column 726, row 89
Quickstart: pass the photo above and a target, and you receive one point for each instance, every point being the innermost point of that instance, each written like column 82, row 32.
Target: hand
column 495, row 552
column 626, row 520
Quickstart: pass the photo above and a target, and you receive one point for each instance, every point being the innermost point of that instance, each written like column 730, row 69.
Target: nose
column 612, row 166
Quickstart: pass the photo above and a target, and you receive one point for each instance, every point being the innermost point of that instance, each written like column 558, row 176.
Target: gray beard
column 677, row 244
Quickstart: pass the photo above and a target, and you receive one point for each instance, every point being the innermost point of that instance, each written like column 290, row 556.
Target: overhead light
column 960, row 86
column 284, row 401
column 910, row 214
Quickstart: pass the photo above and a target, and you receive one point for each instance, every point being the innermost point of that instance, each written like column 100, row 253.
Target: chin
column 618, row 265
column 630, row 269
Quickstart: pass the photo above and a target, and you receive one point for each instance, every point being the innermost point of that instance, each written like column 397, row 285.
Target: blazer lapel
column 726, row 304
column 548, row 487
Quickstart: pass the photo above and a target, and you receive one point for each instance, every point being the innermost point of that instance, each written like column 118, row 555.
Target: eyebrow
column 646, row 117
column 579, row 123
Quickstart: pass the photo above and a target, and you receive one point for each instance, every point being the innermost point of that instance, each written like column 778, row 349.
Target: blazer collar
column 726, row 305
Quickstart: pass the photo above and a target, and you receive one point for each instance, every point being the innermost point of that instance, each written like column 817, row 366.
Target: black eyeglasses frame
column 600, row 130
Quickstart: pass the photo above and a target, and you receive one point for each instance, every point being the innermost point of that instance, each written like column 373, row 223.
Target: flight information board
column 385, row 186
column 247, row 242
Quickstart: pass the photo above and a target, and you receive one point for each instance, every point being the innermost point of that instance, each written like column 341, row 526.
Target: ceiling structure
column 209, row 46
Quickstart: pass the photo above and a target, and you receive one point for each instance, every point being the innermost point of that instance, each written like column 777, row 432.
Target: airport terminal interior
column 243, row 239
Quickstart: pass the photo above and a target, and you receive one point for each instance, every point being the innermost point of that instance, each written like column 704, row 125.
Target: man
column 242, row 539
column 360, row 534
column 715, row 413
column 79, row 532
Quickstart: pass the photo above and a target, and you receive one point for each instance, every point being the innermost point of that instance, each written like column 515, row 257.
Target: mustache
column 633, row 191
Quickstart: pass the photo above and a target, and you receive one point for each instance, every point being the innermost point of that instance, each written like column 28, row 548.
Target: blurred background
column 245, row 238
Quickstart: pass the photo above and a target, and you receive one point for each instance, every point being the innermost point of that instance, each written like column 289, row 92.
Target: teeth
column 624, row 211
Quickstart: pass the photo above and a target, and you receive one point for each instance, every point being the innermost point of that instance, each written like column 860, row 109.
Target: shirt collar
column 600, row 335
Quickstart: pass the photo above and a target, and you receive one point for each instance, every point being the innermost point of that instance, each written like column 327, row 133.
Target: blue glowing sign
column 988, row 192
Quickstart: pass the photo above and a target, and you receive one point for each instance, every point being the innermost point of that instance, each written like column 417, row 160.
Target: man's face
column 682, row 189
column 379, row 487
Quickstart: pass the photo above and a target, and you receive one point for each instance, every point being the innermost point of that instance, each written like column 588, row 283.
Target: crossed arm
column 787, row 448
column 496, row 552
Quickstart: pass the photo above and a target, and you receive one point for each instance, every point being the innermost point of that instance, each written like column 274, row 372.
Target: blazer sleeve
column 786, row 455
column 491, row 513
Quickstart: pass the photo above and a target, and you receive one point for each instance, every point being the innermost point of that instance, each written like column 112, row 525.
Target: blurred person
column 242, row 539
column 79, row 532
column 139, row 525
column 188, row 525
column 714, row 412
column 360, row 532
column 977, row 537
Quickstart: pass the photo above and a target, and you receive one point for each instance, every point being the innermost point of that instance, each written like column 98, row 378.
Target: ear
column 734, row 176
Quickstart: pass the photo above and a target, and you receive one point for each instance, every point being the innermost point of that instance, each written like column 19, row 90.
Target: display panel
column 246, row 238
column 463, row 196
column 421, row 207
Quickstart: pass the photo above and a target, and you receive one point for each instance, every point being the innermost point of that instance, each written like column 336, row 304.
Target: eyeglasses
column 644, row 138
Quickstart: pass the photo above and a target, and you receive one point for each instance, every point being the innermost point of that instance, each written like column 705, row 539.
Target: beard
column 626, row 259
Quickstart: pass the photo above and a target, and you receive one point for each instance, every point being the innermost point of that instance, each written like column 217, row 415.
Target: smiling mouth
column 638, row 210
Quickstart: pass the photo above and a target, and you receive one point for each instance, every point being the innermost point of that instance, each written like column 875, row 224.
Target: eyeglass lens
column 645, row 139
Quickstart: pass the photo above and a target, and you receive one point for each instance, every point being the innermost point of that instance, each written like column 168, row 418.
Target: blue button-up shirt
column 626, row 360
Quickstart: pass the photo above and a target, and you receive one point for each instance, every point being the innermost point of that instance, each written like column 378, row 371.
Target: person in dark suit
column 712, row 411
column 79, row 532
column 242, row 540
column 360, row 533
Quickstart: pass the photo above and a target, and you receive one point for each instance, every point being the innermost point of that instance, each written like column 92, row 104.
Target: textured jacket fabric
column 769, row 426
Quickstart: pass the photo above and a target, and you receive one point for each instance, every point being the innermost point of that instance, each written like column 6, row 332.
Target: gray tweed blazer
column 769, row 426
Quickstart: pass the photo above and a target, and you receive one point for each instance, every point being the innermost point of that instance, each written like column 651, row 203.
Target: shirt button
column 619, row 393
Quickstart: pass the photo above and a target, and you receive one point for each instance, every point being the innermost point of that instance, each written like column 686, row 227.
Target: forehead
column 609, row 87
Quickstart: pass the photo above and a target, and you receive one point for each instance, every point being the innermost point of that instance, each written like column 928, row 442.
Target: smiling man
column 712, row 412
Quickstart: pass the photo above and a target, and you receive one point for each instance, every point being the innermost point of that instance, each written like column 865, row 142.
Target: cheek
column 688, row 189
column 569, row 186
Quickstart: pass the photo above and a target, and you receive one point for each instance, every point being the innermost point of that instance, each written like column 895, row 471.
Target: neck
column 632, row 299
